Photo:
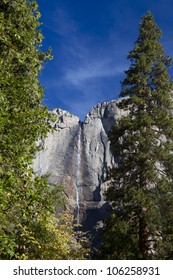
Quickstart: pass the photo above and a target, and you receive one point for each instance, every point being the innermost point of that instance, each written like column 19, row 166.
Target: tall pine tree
column 141, row 184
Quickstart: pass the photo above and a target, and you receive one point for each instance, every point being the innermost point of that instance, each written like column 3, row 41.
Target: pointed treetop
column 149, row 26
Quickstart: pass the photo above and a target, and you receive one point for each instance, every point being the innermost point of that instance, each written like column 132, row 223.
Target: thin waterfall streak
column 39, row 164
column 78, row 174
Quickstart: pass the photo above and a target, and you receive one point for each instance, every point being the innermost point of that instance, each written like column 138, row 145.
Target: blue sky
column 90, row 41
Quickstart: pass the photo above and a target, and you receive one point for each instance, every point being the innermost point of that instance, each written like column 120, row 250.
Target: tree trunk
column 144, row 242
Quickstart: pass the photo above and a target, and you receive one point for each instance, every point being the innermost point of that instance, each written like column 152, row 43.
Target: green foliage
column 64, row 242
column 141, row 183
column 28, row 227
column 21, row 113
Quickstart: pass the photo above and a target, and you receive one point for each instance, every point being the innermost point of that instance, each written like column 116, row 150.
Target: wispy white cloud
column 92, row 70
column 83, row 59
column 88, row 66
column 62, row 24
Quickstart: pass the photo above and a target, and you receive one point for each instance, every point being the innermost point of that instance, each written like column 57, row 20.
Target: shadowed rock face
column 77, row 155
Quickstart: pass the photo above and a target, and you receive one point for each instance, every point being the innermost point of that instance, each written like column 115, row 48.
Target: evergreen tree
column 141, row 184
column 28, row 228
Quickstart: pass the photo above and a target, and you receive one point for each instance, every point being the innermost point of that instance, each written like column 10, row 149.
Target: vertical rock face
column 77, row 155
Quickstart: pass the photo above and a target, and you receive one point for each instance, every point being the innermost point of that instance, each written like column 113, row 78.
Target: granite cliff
column 77, row 155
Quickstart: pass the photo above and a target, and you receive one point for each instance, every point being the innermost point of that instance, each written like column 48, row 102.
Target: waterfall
column 78, row 188
column 39, row 165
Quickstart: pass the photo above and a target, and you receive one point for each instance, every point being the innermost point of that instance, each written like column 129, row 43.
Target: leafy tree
column 64, row 242
column 141, row 184
column 26, row 202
